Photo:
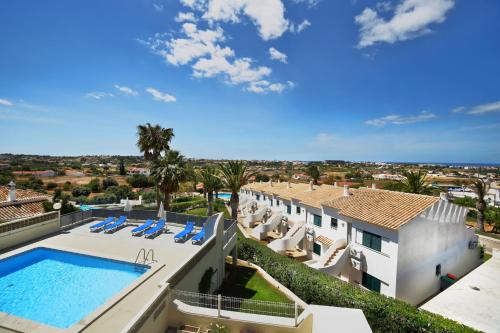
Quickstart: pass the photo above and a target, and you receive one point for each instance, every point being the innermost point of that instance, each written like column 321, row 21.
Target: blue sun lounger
column 156, row 230
column 199, row 237
column 113, row 227
column 142, row 228
column 184, row 233
column 102, row 224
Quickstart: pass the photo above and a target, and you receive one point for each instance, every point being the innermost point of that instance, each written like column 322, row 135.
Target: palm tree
column 168, row 172
column 234, row 175
column 211, row 183
column 152, row 141
column 414, row 182
column 481, row 188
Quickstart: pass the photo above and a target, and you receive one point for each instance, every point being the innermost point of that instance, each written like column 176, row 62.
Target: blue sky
column 402, row 80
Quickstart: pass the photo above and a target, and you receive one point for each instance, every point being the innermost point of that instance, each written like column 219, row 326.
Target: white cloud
column 126, row 90
column 400, row 120
column 324, row 139
column 97, row 94
column 158, row 7
column 202, row 50
column 277, row 55
column 6, row 102
column 185, row 17
column 478, row 109
column 411, row 19
column 311, row 3
column 161, row 96
column 268, row 16
column 301, row 26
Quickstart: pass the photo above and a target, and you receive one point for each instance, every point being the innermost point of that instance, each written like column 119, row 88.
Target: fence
column 75, row 217
column 229, row 232
column 13, row 225
column 219, row 302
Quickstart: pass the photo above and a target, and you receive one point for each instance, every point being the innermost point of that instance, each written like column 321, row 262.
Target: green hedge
column 384, row 314
column 185, row 205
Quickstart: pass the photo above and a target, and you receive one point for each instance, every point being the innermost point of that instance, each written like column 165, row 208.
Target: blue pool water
column 60, row 288
column 225, row 196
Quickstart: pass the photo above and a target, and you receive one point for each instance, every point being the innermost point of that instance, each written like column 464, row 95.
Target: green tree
column 94, row 185
column 139, row 181
column 80, row 191
column 314, row 173
column 211, row 183
column 121, row 192
column 234, row 175
column 414, row 182
column 121, row 168
column 108, row 182
column 168, row 172
column 481, row 189
column 152, row 141
column 51, row 186
column 261, row 177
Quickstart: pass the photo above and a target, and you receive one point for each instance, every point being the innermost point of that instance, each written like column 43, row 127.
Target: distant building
column 74, row 173
column 138, row 171
column 386, row 176
column 17, row 204
column 45, row 173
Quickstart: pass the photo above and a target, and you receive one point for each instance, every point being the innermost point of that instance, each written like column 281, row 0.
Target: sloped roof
column 319, row 195
column 28, row 203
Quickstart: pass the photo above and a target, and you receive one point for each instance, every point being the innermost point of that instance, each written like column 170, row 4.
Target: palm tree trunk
column 210, row 200
column 234, row 205
column 166, row 202
column 157, row 190
column 480, row 215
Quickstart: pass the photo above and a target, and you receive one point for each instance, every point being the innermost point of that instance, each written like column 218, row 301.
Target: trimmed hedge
column 384, row 314
column 185, row 205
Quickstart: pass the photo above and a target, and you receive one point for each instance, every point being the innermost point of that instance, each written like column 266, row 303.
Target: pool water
column 59, row 288
column 225, row 196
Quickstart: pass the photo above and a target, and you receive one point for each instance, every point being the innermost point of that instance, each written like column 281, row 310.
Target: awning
column 324, row 240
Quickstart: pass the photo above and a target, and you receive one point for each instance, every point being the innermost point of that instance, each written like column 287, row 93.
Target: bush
column 384, row 314
column 67, row 186
column 466, row 201
column 121, row 192
column 185, row 205
column 94, row 185
column 51, row 186
column 139, row 181
column 148, row 197
column 80, row 191
column 108, row 182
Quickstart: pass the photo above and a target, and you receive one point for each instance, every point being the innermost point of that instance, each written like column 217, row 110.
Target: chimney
column 335, row 184
column 288, row 185
column 443, row 196
column 346, row 191
column 374, row 186
column 311, row 185
column 11, row 196
column 270, row 182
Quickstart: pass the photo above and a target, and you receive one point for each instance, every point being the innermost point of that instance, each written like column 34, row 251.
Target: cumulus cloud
column 161, row 96
column 478, row 109
column 410, row 19
column 5, row 102
column 97, row 94
column 158, row 7
column 400, row 120
column 277, row 55
column 126, row 90
column 204, row 52
column 185, row 17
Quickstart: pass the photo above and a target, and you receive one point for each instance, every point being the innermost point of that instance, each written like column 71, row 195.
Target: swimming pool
column 60, row 288
column 224, row 196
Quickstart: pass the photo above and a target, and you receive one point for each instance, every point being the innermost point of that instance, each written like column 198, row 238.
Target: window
column 271, row 199
column 257, row 196
column 334, row 223
column 277, row 203
column 438, row 270
column 317, row 220
column 297, row 210
column 317, row 248
column 372, row 241
column 288, row 209
column 371, row 282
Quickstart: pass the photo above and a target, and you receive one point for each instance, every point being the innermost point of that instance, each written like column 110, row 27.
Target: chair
column 199, row 237
column 156, row 230
column 102, row 224
column 140, row 229
column 185, row 233
column 114, row 226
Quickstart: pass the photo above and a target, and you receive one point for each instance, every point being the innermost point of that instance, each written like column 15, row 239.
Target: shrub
column 51, row 186
column 148, row 197
column 108, row 182
column 139, row 181
column 384, row 314
column 183, row 206
column 80, row 191
column 94, row 185
column 67, row 186
column 204, row 285
column 121, row 192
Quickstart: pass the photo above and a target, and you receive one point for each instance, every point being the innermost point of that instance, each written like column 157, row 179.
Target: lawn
column 203, row 212
column 245, row 282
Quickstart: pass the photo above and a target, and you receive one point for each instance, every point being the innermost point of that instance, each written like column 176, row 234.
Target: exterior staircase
column 290, row 240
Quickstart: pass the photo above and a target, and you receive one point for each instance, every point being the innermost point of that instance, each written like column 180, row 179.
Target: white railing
column 293, row 237
column 229, row 233
column 235, row 304
column 261, row 230
column 250, row 219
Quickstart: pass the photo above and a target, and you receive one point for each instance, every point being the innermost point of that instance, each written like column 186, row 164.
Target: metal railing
column 75, row 217
column 219, row 302
column 17, row 224
column 229, row 232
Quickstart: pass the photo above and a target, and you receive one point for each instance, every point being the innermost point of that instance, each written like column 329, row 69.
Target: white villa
column 398, row 244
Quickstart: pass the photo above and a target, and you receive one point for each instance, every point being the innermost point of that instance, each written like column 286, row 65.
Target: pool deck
column 120, row 245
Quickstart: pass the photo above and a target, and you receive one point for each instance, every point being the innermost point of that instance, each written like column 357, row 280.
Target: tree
column 414, row 182
column 94, row 185
column 168, row 172
column 80, row 191
column 108, row 182
column 314, row 173
column 211, row 183
column 234, row 175
column 139, row 181
column 481, row 189
column 261, row 177
column 122, row 171
column 152, row 141
column 121, row 192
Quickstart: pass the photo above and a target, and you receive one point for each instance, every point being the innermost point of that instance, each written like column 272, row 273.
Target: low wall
column 45, row 224
column 489, row 243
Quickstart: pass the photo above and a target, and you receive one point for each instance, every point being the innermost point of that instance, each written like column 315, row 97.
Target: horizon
column 303, row 80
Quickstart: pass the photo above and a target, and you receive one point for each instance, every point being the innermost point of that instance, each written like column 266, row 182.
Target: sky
column 360, row 80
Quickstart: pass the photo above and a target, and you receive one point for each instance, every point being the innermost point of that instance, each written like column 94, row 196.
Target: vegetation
column 314, row 173
column 204, row 285
column 108, row 182
column 481, row 189
column 94, row 185
column 139, row 181
column 168, row 172
column 234, row 175
column 414, row 182
column 384, row 314
column 80, row 191
column 211, row 183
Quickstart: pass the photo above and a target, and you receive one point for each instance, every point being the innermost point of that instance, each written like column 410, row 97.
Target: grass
column 203, row 212
column 245, row 282
column 486, row 256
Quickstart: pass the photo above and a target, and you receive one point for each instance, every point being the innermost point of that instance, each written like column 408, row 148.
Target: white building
column 492, row 198
column 398, row 244
column 386, row 176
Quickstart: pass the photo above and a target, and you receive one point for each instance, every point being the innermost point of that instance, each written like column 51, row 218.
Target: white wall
column 438, row 237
